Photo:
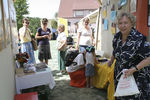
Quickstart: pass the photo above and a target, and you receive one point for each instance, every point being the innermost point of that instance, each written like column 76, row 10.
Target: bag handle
column 122, row 72
column 119, row 75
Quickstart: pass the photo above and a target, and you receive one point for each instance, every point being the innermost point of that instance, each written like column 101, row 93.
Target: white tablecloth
column 35, row 79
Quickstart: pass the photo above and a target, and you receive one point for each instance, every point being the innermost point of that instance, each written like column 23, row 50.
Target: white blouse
column 85, row 37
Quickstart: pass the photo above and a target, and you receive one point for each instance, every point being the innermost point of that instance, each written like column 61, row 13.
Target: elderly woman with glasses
column 132, row 52
column 25, row 40
column 43, row 36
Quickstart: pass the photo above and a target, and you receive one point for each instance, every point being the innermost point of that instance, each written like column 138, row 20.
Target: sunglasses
column 26, row 22
column 44, row 23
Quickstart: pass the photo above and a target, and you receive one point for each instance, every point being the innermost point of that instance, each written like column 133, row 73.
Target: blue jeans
column 27, row 47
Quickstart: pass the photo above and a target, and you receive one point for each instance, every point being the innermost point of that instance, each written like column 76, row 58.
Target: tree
column 34, row 24
column 54, row 23
column 56, row 15
column 21, row 7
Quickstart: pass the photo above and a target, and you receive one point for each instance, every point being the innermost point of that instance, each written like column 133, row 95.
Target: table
column 35, row 79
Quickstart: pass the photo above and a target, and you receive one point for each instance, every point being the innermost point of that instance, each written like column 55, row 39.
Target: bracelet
column 136, row 68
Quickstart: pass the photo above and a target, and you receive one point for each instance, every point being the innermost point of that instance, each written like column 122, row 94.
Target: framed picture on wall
column 149, row 13
column 133, row 6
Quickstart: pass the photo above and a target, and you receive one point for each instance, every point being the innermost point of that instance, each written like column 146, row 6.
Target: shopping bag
column 126, row 86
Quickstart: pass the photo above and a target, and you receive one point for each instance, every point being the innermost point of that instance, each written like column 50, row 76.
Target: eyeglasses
column 44, row 23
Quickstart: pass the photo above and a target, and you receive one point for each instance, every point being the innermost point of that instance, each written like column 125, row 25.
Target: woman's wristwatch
column 136, row 68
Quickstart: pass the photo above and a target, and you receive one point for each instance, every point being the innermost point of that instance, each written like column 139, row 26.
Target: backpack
column 69, row 40
column 70, row 56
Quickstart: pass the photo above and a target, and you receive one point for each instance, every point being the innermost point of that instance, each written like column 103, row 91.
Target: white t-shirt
column 89, row 58
column 61, row 37
column 79, row 60
column 85, row 37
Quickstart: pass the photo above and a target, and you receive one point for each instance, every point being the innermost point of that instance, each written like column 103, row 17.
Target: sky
column 43, row 8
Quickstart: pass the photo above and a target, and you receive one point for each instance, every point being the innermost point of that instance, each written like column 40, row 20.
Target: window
column 78, row 13
column 2, row 42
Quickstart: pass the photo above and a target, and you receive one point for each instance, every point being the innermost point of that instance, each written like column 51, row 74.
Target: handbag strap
column 118, row 76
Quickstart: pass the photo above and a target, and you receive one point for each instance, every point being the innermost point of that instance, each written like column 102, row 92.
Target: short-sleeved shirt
column 24, row 35
column 41, row 33
column 61, row 37
column 85, row 37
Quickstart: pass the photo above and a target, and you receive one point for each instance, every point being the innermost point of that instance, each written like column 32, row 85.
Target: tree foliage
column 54, row 23
column 21, row 7
column 34, row 24
column 56, row 15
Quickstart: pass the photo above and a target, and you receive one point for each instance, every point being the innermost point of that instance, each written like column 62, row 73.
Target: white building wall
column 7, row 81
column 105, row 37
column 7, row 59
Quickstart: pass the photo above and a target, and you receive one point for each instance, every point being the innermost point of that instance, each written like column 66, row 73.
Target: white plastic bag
column 126, row 86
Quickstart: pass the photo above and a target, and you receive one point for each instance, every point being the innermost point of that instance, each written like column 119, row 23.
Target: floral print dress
column 128, row 55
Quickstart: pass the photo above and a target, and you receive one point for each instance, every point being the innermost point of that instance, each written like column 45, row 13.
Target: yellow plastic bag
column 101, row 75
column 111, row 86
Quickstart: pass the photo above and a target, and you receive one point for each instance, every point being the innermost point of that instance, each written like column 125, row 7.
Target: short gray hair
column 129, row 15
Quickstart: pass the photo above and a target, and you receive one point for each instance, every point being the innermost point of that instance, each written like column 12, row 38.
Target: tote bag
column 34, row 44
column 126, row 86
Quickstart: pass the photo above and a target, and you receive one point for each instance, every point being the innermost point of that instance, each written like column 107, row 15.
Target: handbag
column 34, row 44
column 126, row 86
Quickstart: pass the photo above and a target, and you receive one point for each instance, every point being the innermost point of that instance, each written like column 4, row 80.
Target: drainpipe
column 97, row 30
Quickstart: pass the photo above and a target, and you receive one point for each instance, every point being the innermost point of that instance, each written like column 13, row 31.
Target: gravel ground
column 62, row 90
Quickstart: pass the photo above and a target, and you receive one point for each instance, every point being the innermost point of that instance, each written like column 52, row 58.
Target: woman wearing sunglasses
column 43, row 36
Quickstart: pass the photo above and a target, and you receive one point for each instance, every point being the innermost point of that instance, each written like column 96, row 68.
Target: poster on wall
column 113, row 15
column 113, row 28
column 108, row 2
column 133, row 6
column 104, row 12
column 112, row 7
column 121, row 4
column 105, row 24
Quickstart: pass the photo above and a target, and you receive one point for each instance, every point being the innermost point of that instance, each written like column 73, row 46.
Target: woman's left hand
column 129, row 72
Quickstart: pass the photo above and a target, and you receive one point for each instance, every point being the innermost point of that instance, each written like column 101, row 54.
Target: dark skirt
column 44, row 52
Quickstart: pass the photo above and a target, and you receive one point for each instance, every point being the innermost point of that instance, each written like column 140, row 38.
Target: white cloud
column 43, row 8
